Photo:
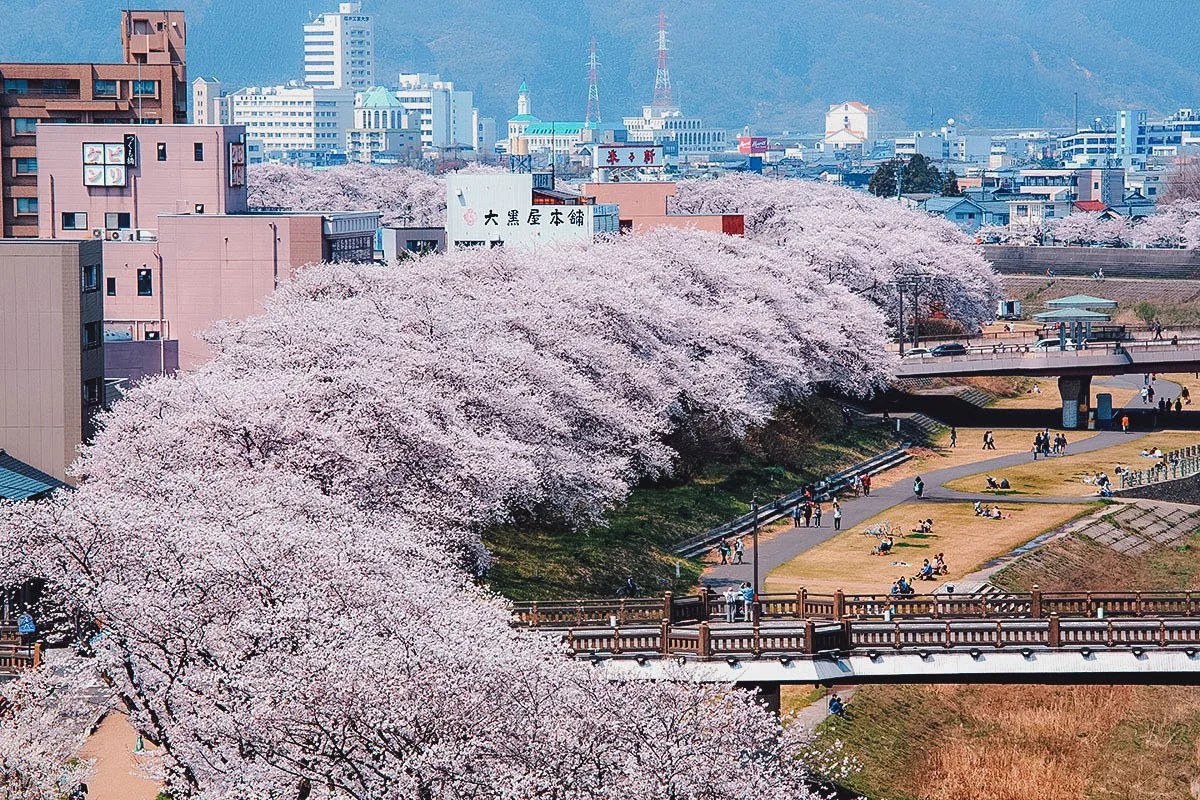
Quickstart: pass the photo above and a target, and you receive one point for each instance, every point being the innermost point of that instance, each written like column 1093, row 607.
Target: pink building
column 113, row 181
column 644, row 206
column 181, row 249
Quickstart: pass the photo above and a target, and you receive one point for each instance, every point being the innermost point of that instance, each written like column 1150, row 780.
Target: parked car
column 916, row 352
column 1044, row 345
column 950, row 349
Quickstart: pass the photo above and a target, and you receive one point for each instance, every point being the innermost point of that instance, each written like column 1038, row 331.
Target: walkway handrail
column 838, row 606
column 874, row 638
column 1173, row 465
column 779, row 507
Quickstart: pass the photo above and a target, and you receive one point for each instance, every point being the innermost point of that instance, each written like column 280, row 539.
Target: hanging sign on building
column 130, row 150
column 628, row 156
column 237, row 164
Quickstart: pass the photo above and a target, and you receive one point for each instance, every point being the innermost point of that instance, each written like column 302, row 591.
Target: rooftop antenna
column 662, row 76
column 593, row 104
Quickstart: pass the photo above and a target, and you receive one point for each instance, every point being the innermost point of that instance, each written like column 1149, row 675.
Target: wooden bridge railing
column 705, row 642
column 801, row 605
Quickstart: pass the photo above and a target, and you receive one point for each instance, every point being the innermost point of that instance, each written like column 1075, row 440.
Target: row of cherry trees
column 281, row 546
column 1172, row 225
column 856, row 240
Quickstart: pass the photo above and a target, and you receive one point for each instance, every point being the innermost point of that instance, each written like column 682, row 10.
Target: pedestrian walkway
column 782, row 548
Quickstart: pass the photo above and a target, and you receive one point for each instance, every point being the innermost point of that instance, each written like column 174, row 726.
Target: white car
column 1044, row 345
column 917, row 352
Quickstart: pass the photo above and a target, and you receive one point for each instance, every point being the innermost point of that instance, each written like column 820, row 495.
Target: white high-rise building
column 444, row 115
column 291, row 118
column 210, row 104
column 339, row 49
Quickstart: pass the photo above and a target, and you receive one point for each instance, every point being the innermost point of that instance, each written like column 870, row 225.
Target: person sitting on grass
column 978, row 509
column 905, row 588
column 997, row 513
column 992, row 483
column 884, row 547
column 939, row 566
column 926, row 573
column 836, row 706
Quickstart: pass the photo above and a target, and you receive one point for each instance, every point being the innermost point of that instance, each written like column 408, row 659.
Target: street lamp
column 754, row 513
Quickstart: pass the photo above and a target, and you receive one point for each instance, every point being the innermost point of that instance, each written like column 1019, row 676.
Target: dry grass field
column 1061, row 476
column 845, row 562
column 969, row 451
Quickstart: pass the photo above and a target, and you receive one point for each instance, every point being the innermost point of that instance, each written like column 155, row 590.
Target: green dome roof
column 380, row 97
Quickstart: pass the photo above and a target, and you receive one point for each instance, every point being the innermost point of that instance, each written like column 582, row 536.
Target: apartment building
column 339, row 49
column 288, row 119
column 444, row 115
column 51, row 349
column 149, row 85
column 181, row 247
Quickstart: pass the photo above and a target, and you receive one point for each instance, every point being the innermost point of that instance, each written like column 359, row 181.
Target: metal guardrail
column 1175, row 464
column 779, row 507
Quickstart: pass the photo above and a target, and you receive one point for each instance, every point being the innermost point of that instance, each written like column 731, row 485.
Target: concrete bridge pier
column 1076, row 396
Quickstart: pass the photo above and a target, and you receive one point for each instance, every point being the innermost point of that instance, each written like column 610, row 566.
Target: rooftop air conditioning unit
column 129, row 235
column 115, row 236
column 97, row 233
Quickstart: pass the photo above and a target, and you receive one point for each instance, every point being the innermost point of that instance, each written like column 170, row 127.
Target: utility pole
column 754, row 512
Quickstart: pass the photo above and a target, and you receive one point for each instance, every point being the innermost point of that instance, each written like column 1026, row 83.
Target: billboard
column 752, row 145
column 104, row 164
column 628, row 156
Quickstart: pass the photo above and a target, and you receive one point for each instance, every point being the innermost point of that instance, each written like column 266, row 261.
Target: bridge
column 1036, row 637
column 1074, row 368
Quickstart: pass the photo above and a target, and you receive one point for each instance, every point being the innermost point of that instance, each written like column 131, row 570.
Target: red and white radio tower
column 593, row 107
column 662, row 77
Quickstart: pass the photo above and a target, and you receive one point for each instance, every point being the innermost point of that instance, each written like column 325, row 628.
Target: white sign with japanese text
column 628, row 156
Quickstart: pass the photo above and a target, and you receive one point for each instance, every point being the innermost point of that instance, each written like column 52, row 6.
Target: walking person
column 796, row 514
column 817, row 514
column 1124, row 423
column 953, row 436
column 866, row 484
column 1145, row 393
column 747, row 592
column 739, row 550
column 724, row 550
column 837, row 516
column 918, row 487
column 1150, row 394
column 808, row 512
column 1187, row 398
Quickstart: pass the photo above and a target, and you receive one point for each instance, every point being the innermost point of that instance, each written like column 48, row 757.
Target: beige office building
column 51, row 349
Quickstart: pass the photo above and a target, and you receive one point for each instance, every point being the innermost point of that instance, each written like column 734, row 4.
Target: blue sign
column 25, row 625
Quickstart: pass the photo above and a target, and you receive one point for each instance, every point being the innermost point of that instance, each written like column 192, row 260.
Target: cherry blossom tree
column 280, row 547
column 47, row 713
column 859, row 241
column 1078, row 228
column 405, row 196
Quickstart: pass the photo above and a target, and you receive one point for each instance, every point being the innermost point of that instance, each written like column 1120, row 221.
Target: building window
column 93, row 391
column 162, row 151
column 25, row 125
column 103, row 88
column 110, row 287
column 145, row 88
column 74, row 221
column 198, row 151
column 27, row 205
column 26, row 166
column 16, row 86
column 144, row 284
column 116, row 220
column 92, row 335
column 91, row 277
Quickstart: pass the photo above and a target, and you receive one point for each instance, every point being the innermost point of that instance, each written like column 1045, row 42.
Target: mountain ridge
column 987, row 63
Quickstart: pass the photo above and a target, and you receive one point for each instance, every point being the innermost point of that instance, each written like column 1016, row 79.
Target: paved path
column 784, row 547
